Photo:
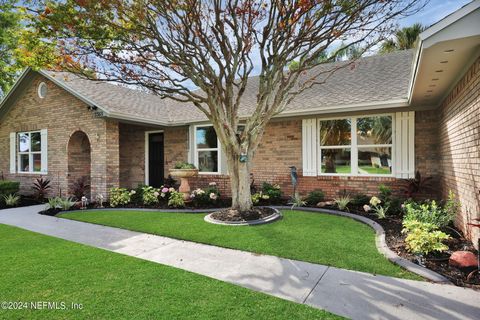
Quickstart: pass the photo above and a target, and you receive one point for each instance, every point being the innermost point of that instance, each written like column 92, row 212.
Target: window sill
column 31, row 173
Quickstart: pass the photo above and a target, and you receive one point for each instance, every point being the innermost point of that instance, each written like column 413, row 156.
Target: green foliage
column 405, row 38
column 136, row 195
column 273, row 192
column 206, row 196
column 424, row 238
column 9, row 187
column 53, row 203
column 360, row 200
column 61, row 203
column 66, row 203
column 429, row 212
column 150, row 195
column 298, row 202
column 259, row 196
column 120, row 196
column 315, row 197
column 342, row 202
column 11, row 200
column 184, row 165
column 176, row 200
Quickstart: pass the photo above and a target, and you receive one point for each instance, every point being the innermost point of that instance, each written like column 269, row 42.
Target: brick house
column 374, row 124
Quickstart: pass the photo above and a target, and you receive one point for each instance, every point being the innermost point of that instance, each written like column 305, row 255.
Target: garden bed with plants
column 9, row 197
column 420, row 231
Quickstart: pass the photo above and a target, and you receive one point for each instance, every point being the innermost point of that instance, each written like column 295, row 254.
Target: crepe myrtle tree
column 203, row 52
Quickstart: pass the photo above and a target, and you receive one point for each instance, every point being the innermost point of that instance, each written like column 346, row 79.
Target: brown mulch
column 237, row 216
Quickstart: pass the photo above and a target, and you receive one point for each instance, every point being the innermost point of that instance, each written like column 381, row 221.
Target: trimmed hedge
column 9, row 187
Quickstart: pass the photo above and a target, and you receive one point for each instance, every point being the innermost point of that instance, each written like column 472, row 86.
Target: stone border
column 381, row 244
column 271, row 218
column 380, row 241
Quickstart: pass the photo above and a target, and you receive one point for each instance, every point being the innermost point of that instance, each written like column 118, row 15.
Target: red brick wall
column 459, row 147
column 281, row 147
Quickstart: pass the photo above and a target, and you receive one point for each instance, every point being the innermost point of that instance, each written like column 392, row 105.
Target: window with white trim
column 207, row 151
column 356, row 145
column 29, row 151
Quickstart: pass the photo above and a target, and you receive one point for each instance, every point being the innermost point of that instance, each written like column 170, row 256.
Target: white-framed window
column 357, row 145
column 29, row 152
column 206, row 149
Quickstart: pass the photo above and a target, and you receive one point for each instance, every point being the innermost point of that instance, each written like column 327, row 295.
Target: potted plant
column 184, row 170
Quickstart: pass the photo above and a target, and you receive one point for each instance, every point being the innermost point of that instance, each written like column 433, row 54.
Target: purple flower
column 165, row 190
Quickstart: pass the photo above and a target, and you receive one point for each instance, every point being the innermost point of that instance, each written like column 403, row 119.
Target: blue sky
column 434, row 11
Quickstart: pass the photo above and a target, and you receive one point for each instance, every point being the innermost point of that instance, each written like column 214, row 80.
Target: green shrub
column 53, row 203
column 136, row 197
column 315, row 197
column 176, row 200
column 385, row 193
column 428, row 212
column 273, row 192
column 150, row 195
column 259, row 196
column 11, row 200
column 9, row 187
column 206, row 196
column 360, row 200
column 424, row 238
column 66, row 203
column 120, row 196
column 184, row 165
column 298, row 202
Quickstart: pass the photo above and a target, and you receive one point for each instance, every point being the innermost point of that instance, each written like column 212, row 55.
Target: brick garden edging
column 380, row 241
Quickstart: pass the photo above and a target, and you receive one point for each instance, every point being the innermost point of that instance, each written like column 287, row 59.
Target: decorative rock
column 464, row 260
column 323, row 204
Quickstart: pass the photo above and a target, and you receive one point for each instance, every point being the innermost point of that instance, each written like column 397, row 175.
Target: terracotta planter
column 184, row 174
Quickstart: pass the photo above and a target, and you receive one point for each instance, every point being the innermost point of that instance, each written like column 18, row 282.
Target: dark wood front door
column 155, row 159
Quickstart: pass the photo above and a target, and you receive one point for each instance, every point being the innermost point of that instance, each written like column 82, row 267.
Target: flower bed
column 421, row 232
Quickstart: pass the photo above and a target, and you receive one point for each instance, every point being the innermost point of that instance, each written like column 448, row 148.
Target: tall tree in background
column 404, row 39
column 9, row 30
column 20, row 44
column 162, row 45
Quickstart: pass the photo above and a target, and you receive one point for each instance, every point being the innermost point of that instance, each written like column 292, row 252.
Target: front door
column 155, row 159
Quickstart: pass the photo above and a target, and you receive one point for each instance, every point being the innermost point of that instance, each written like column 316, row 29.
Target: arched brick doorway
column 79, row 163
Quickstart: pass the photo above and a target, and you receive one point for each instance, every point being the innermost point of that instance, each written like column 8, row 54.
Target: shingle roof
column 374, row 79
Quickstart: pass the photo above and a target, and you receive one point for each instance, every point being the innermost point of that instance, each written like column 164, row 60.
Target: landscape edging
column 380, row 241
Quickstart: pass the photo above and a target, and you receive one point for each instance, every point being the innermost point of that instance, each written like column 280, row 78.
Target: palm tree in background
column 405, row 38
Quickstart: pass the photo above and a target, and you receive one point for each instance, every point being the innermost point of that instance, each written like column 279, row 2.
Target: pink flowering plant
column 207, row 196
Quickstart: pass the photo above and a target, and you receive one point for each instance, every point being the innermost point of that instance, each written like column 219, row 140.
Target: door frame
column 147, row 152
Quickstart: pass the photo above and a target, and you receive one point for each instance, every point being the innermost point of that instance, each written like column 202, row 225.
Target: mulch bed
column 237, row 216
column 438, row 263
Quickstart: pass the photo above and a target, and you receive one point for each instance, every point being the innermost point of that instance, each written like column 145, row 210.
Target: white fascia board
column 366, row 106
column 448, row 20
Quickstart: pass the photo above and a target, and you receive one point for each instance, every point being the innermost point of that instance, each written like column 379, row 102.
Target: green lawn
column 312, row 237
column 37, row 268
column 374, row 170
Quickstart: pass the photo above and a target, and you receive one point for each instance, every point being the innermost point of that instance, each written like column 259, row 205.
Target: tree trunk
column 239, row 173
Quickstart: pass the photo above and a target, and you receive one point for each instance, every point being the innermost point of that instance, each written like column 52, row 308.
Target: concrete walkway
column 351, row 294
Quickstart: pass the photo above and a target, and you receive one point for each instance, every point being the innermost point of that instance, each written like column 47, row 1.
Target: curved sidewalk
column 352, row 294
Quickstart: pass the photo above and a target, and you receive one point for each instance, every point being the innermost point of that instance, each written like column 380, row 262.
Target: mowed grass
column 313, row 237
column 38, row 268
